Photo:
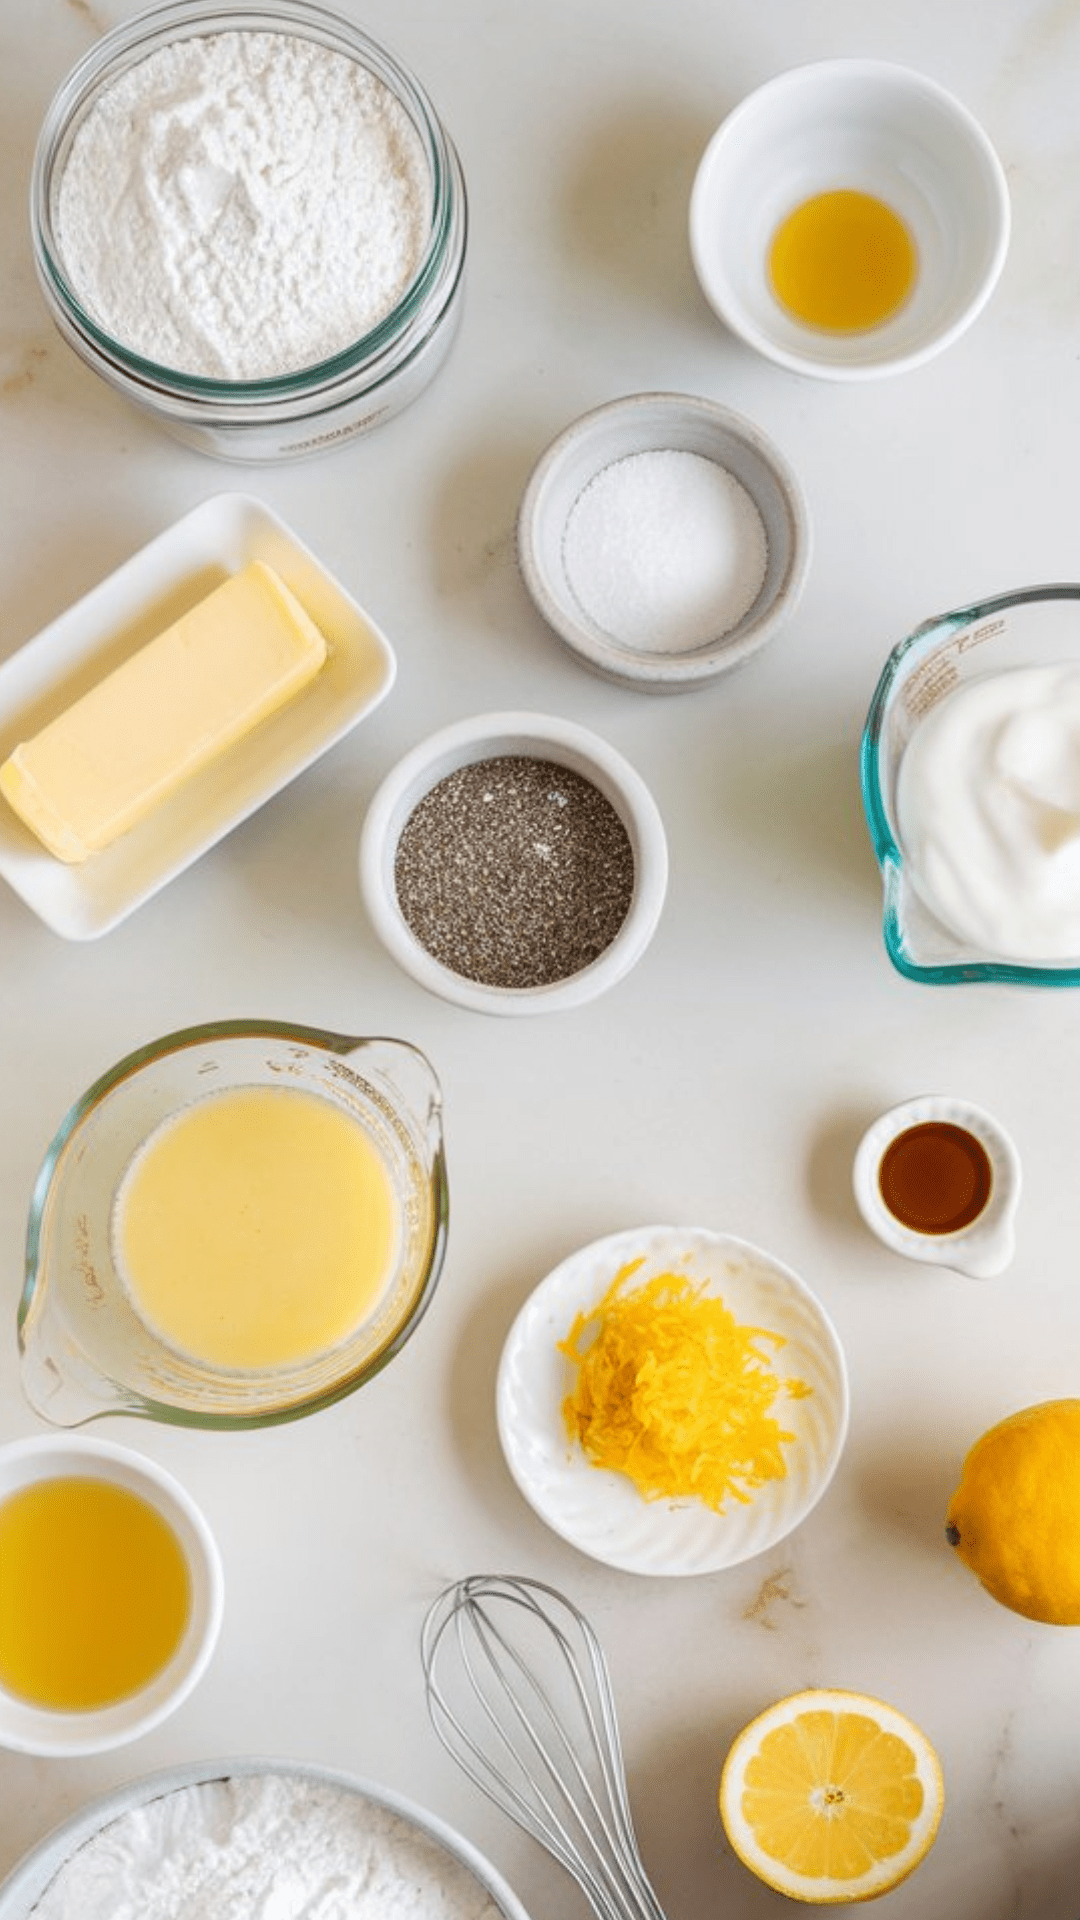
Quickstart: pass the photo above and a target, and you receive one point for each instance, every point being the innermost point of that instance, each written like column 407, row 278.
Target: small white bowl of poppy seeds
column 514, row 863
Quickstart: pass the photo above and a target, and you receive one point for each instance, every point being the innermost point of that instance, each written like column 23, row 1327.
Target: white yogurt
column 988, row 811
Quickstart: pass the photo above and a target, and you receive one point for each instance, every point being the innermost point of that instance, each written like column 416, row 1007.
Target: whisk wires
column 519, row 1694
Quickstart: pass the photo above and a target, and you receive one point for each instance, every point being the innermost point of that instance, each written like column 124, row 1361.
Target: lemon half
column 831, row 1796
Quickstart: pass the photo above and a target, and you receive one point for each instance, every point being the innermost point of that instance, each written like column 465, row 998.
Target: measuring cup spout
column 60, row 1384
column 406, row 1072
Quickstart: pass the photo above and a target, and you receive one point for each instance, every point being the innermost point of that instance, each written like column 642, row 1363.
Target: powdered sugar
column 242, row 204
column 264, row 1846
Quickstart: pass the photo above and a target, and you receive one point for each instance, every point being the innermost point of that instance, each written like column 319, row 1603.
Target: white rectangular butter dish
column 160, row 582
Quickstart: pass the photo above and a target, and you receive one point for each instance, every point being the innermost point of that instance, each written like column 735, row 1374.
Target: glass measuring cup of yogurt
column 189, row 1200
column 970, row 768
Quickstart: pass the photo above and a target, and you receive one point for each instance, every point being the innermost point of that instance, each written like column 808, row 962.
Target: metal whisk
column 519, row 1694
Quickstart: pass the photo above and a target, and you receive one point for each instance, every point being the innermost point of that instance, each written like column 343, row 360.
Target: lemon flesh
column 1015, row 1516
column 831, row 1796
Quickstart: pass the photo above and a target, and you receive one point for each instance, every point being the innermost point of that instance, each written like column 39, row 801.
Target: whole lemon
column 1015, row 1517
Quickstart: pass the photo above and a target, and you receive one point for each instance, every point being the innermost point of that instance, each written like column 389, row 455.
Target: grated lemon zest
column 673, row 1392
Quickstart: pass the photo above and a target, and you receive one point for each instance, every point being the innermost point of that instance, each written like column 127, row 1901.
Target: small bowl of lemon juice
column 849, row 219
column 111, row 1599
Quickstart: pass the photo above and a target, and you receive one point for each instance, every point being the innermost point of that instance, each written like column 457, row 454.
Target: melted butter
column 842, row 262
column 257, row 1228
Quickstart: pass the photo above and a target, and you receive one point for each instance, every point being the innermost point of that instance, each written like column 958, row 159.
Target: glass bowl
column 314, row 407
column 1030, row 627
column 86, row 1351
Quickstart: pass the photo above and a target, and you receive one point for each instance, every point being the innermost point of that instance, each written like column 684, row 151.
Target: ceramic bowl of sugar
column 665, row 539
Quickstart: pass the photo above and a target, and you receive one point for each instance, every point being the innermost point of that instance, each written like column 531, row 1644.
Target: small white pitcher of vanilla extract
column 99, row 1332
column 938, row 1180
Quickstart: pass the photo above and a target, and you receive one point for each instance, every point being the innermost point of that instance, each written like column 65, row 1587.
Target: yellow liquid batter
column 257, row 1228
column 94, row 1593
column 842, row 262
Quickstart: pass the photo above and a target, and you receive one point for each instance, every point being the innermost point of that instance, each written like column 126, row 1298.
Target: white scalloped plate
column 602, row 1513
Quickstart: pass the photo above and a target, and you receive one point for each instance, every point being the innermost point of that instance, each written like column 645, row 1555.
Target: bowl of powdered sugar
column 244, row 1839
column 251, row 223
column 664, row 538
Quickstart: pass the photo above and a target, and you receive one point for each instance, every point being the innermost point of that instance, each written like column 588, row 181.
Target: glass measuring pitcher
column 84, row 1348
column 1034, row 626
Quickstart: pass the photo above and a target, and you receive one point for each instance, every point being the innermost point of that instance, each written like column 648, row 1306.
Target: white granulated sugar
column 243, row 204
column 264, row 1847
column 665, row 551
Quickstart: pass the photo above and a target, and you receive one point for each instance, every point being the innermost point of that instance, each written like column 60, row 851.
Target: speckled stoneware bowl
column 663, row 423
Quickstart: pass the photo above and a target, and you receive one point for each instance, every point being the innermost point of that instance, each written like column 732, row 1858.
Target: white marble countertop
column 726, row 1081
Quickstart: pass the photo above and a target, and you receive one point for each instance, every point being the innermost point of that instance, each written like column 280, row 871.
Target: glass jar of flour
column 250, row 221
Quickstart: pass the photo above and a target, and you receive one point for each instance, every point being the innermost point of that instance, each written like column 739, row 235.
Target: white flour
column 243, row 204
column 263, row 1847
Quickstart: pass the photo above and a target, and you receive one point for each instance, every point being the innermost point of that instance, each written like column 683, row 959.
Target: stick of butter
column 163, row 714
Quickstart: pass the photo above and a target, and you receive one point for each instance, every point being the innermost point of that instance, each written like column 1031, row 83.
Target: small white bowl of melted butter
column 849, row 219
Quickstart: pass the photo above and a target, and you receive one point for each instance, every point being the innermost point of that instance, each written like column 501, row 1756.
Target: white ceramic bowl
column 443, row 1857
column 31, row 1729
column 602, row 1513
column 646, row 423
column 533, row 736
column 878, row 129
column 982, row 1249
